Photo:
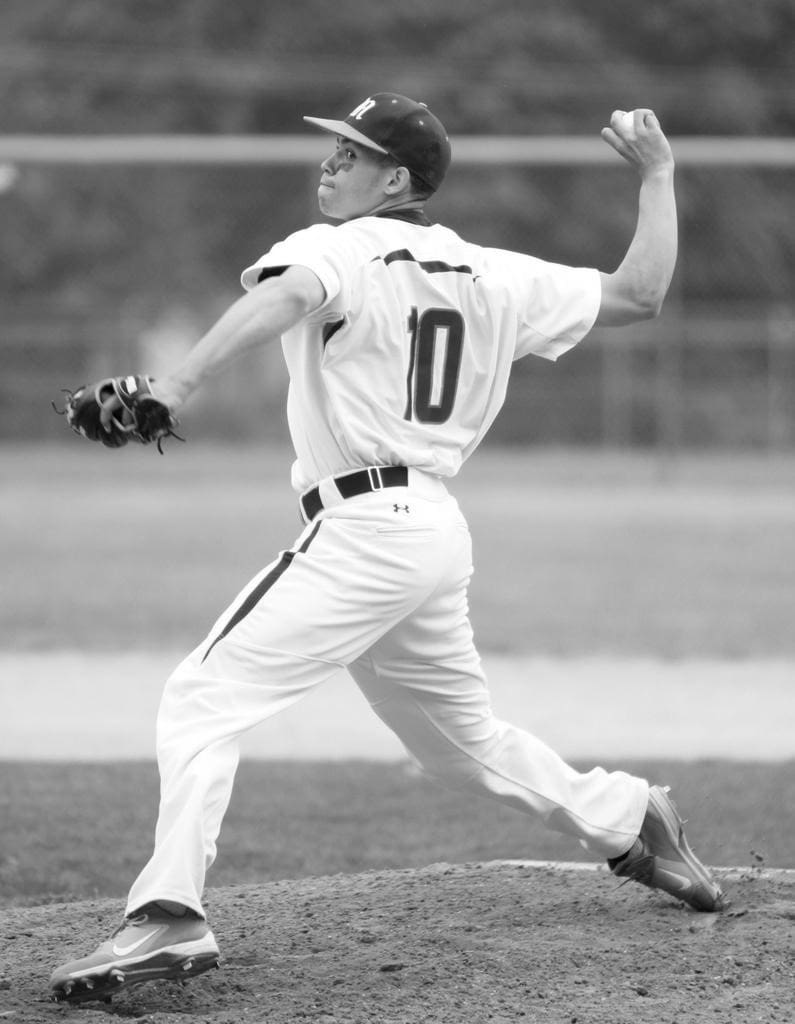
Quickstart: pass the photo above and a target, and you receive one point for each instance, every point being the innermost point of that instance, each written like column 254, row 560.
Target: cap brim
column 346, row 131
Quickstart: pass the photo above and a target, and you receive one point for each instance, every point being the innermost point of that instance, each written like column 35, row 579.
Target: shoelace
column 135, row 921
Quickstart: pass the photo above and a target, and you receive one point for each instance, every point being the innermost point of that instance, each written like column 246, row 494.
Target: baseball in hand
column 627, row 120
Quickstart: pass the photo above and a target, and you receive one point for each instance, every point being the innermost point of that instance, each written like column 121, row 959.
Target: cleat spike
column 187, row 965
column 89, row 983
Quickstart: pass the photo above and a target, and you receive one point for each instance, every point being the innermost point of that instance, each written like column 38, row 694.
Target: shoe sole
column 106, row 980
column 674, row 827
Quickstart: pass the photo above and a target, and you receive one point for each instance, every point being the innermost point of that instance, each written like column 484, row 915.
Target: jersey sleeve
column 556, row 305
column 315, row 247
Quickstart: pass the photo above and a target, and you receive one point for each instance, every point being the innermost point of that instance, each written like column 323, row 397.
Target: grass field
column 73, row 832
column 576, row 553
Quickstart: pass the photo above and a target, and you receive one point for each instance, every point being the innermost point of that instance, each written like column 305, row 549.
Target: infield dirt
column 465, row 944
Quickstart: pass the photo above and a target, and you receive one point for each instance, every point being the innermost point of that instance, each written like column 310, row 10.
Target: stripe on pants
column 262, row 588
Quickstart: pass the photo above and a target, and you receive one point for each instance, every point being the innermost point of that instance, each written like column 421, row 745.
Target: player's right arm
column 635, row 291
column 257, row 318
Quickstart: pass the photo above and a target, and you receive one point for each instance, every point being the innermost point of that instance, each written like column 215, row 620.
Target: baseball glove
column 136, row 414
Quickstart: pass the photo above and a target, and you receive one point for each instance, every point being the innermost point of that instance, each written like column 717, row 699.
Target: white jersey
column 407, row 360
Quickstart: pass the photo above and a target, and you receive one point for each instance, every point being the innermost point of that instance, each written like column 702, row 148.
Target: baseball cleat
column 662, row 859
column 148, row 946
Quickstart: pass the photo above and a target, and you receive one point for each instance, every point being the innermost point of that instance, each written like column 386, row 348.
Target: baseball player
column 399, row 339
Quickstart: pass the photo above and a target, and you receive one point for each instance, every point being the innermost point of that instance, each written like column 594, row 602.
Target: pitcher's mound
column 448, row 944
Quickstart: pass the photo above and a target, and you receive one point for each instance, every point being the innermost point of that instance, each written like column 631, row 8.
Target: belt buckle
column 376, row 480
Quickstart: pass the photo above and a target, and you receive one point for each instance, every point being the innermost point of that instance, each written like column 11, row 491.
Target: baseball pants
column 376, row 584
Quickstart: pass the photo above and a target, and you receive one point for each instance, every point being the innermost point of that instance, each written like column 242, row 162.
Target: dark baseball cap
column 399, row 127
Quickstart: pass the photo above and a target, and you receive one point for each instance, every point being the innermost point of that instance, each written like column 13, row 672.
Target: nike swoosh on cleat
column 676, row 881
column 126, row 950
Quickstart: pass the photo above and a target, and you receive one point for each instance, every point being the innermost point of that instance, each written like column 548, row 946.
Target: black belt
column 363, row 481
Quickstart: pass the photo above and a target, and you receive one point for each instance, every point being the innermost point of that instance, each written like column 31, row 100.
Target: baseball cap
column 399, row 127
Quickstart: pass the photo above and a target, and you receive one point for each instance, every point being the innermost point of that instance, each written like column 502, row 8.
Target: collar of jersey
column 412, row 216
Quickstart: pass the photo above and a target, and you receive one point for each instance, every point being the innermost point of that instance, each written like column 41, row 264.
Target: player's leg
column 442, row 715
column 217, row 692
column 345, row 582
column 424, row 680
column 296, row 623
column 441, row 710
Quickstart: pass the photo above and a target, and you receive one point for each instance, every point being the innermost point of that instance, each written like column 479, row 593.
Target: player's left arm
column 635, row 291
column 257, row 318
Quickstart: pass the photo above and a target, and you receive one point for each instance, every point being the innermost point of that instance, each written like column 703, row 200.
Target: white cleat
column 151, row 945
column 661, row 858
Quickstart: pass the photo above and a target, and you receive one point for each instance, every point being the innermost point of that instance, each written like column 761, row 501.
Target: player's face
column 352, row 183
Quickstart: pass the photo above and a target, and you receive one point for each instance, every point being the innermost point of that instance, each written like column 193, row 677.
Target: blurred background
column 117, row 259
column 633, row 508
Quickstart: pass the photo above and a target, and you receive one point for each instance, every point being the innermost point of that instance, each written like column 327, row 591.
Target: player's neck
column 397, row 208
column 413, row 216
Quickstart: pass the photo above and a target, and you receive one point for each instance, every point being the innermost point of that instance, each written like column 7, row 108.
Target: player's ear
column 399, row 181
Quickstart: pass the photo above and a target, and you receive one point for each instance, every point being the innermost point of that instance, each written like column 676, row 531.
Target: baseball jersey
column 407, row 360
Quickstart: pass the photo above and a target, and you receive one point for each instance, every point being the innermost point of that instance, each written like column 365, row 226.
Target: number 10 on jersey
column 437, row 344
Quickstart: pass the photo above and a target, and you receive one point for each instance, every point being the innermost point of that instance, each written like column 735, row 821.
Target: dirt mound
column 453, row 944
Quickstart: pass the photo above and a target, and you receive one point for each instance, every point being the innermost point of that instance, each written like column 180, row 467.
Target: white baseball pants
column 378, row 584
